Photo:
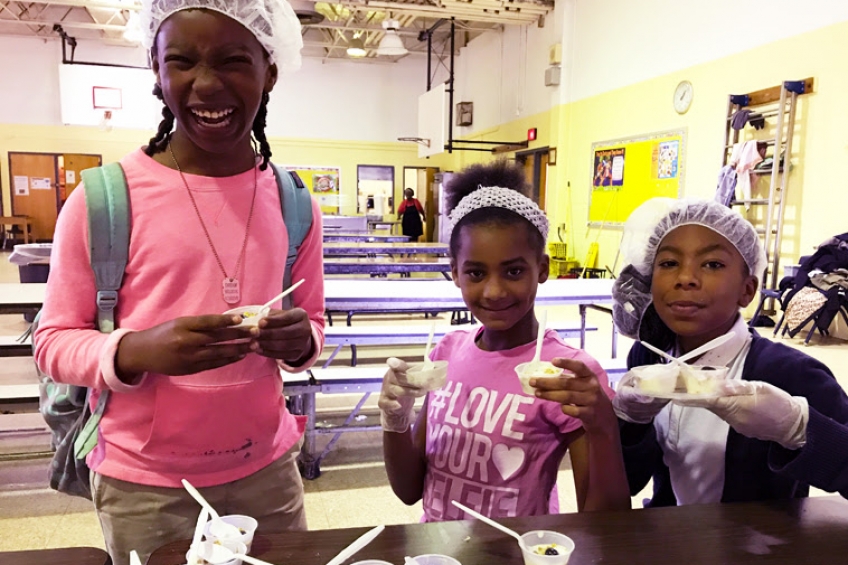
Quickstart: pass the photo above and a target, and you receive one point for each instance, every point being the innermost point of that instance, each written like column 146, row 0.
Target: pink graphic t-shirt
column 490, row 446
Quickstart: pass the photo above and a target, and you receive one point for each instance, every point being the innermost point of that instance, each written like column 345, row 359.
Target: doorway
column 375, row 187
column 535, row 164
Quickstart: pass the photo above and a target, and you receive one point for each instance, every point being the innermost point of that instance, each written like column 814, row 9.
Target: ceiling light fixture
column 391, row 44
column 356, row 48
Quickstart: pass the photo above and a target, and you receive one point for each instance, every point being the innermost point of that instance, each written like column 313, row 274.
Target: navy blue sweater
column 755, row 469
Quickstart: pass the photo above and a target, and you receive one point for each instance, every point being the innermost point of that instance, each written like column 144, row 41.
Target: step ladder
column 775, row 105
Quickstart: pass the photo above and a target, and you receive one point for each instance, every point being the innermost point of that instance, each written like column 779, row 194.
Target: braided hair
column 499, row 173
column 159, row 142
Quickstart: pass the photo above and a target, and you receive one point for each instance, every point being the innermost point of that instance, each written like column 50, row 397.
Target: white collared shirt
column 694, row 440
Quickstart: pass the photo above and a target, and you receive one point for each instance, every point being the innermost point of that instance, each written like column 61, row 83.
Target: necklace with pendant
column 231, row 288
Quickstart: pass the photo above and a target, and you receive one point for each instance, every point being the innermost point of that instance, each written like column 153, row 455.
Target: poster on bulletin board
column 627, row 172
column 323, row 183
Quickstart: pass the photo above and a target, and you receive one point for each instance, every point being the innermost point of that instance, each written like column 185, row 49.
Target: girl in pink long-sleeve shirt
column 207, row 235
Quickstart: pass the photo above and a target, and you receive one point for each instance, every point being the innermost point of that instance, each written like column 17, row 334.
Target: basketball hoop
column 106, row 121
column 418, row 140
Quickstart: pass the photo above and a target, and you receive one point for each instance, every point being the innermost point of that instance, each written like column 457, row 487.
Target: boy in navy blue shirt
column 781, row 421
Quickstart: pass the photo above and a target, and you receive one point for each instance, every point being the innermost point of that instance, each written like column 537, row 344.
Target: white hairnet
column 644, row 230
column 273, row 22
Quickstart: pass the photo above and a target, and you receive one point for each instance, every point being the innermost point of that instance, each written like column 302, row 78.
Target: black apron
column 411, row 223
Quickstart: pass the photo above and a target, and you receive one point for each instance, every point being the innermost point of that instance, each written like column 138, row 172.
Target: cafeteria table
column 59, row 556
column 381, row 248
column 382, row 266
column 364, row 237
column 799, row 532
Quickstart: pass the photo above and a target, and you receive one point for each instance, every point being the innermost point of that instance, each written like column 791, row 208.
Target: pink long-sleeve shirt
column 212, row 427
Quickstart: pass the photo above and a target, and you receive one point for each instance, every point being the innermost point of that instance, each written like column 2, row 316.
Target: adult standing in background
column 410, row 213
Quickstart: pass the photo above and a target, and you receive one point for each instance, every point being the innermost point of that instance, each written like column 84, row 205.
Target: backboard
column 432, row 121
column 88, row 93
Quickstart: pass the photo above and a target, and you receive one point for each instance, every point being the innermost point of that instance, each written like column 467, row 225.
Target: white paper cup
column 531, row 370
column 702, row 379
column 544, row 539
column 215, row 551
column 435, row 559
column 250, row 315
column 657, row 379
column 430, row 379
column 372, row 562
column 247, row 524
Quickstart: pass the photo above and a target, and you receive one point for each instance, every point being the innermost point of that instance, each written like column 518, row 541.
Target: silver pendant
column 232, row 292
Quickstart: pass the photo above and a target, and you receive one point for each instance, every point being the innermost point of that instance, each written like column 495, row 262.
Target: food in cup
column 702, row 379
column 548, row 549
column 250, row 315
column 537, row 370
column 425, row 377
column 657, row 379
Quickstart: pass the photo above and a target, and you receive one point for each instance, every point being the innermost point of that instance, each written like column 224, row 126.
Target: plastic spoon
column 692, row 354
column 219, row 528
column 198, row 533
column 134, row 558
column 282, row 294
column 428, row 364
column 360, row 542
column 491, row 522
column 543, row 320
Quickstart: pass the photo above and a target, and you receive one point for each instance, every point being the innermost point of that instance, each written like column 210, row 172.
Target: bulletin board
column 323, row 183
column 627, row 172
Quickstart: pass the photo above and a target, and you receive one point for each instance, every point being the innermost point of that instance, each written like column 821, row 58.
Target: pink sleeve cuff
column 107, row 363
column 319, row 346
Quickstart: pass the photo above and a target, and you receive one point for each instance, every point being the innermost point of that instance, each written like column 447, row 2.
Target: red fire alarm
column 531, row 134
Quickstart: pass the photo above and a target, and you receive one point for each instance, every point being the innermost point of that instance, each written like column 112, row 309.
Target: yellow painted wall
column 820, row 145
column 816, row 185
column 115, row 144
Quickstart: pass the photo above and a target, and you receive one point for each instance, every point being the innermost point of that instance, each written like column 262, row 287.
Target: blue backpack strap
column 108, row 208
column 297, row 216
column 107, row 202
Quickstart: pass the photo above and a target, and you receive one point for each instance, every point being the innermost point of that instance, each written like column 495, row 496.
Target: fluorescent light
column 356, row 48
column 391, row 44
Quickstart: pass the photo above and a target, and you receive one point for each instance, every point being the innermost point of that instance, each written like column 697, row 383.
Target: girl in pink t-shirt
column 479, row 440
column 193, row 396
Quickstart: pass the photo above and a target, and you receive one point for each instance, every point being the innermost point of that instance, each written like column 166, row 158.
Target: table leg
column 583, row 326
column 309, row 465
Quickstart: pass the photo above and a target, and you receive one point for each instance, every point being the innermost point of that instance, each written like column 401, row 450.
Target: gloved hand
column 762, row 411
column 397, row 398
column 633, row 407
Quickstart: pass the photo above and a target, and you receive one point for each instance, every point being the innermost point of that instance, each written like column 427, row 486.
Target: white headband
column 499, row 197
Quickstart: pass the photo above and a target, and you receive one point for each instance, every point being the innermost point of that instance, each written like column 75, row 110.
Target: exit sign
column 531, row 134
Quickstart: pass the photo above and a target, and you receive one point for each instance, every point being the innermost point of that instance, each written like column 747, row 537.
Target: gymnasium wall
column 327, row 114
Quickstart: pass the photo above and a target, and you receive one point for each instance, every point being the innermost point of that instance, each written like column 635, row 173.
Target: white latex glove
column 633, row 407
column 397, row 398
column 762, row 411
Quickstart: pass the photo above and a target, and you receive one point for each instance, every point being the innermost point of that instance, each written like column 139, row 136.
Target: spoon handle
column 488, row 520
column 199, row 498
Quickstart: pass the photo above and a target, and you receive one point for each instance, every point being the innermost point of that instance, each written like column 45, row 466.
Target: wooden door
column 69, row 175
column 35, row 191
column 428, row 191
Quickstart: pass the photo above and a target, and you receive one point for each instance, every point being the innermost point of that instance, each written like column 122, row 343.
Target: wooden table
column 801, row 532
column 364, row 237
column 62, row 556
column 24, row 221
column 380, row 248
column 386, row 265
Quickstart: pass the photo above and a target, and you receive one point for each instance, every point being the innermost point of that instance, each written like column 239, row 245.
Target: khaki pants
column 145, row 518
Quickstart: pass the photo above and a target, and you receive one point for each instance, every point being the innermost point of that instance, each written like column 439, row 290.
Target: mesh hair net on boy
column 273, row 22
column 644, row 230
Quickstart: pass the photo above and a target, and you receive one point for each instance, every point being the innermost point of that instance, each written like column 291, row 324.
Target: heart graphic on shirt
column 507, row 460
